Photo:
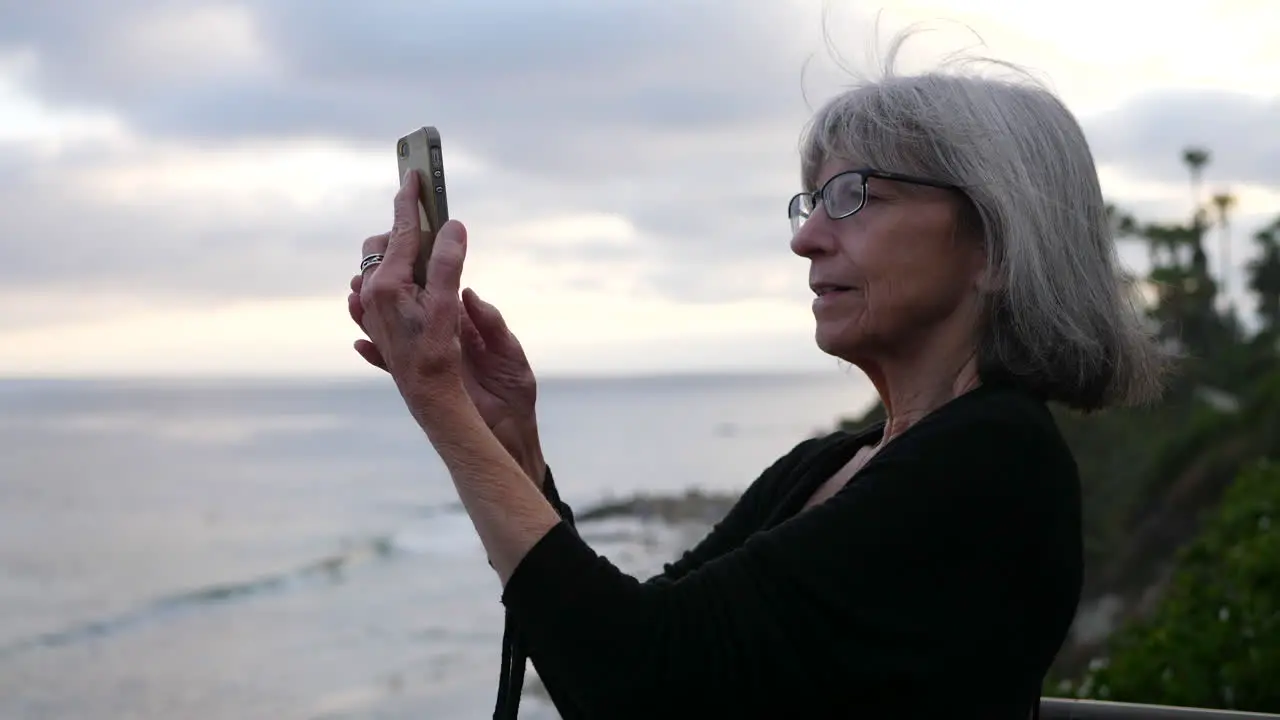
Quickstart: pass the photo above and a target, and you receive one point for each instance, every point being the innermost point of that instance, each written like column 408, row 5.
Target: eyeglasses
column 845, row 194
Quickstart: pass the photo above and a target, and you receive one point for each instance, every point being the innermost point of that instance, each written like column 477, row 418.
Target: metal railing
column 1062, row 709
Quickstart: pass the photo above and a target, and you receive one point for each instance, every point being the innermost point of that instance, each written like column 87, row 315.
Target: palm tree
column 1196, row 158
column 1224, row 202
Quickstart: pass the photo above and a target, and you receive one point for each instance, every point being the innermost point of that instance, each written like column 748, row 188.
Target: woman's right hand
column 495, row 371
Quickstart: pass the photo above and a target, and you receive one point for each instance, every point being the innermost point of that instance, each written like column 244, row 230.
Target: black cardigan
column 942, row 579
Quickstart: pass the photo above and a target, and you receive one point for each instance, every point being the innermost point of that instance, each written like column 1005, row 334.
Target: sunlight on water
column 200, row 430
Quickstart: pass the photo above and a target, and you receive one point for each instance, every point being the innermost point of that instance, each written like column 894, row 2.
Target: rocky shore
column 694, row 506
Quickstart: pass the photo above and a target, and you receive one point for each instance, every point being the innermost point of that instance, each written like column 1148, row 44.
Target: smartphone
column 420, row 151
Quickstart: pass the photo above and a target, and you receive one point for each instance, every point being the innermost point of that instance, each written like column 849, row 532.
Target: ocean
column 293, row 549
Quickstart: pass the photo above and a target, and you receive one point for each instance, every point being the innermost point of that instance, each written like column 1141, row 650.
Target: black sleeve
column 889, row 590
column 746, row 515
column 744, row 518
column 511, row 680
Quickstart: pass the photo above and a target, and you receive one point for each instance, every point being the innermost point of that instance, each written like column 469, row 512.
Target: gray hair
column 1060, row 319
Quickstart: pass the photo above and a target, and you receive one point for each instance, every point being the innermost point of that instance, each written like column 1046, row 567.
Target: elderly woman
column 960, row 255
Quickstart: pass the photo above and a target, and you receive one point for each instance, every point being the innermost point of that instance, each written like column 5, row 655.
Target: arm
column 892, row 590
column 552, row 494
column 746, row 516
column 520, row 439
column 506, row 507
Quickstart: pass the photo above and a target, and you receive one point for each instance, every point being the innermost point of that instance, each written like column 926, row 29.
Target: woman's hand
column 416, row 330
column 494, row 369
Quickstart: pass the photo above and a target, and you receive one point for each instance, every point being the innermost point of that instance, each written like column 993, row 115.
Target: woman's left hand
column 416, row 329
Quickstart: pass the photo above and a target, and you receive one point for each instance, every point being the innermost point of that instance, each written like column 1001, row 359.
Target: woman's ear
column 968, row 229
column 987, row 280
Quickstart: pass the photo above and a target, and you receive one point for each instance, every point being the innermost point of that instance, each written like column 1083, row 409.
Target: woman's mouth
column 824, row 289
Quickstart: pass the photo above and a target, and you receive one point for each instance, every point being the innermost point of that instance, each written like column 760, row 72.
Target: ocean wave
column 327, row 569
column 442, row 529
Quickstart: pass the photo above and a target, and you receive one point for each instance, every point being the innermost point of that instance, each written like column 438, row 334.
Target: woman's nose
column 814, row 236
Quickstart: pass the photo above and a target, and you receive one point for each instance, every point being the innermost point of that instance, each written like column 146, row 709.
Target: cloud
column 193, row 152
column 1147, row 134
column 214, row 182
column 549, row 88
column 97, row 221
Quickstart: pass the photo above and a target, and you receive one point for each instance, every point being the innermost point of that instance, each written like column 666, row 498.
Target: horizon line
column 849, row 372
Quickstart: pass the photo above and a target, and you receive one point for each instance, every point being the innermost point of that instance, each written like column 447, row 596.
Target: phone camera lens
column 404, row 149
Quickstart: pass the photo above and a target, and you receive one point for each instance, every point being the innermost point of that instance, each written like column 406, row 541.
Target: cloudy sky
column 184, row 185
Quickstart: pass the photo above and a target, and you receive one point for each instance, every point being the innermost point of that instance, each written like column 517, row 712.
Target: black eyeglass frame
column 816, row 197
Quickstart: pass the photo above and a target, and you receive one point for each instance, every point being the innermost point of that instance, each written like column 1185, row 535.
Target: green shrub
column 1214, row 639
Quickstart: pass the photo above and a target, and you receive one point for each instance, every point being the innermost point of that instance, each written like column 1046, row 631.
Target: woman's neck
column 911, row 390
column 913, row 404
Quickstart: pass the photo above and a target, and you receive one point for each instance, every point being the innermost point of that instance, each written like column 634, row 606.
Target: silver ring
column 370, row 260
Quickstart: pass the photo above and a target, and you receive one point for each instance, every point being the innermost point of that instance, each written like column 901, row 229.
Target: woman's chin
column 837, row 341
